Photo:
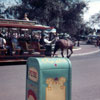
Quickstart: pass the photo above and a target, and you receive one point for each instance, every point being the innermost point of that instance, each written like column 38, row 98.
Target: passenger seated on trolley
column 35, row 38
column 14, row 40
column 15, row 43
column 2, row 42
column 3, row 45
column 27, row 37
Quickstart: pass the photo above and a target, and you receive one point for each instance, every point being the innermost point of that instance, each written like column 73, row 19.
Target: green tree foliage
column 65, row 15
column 73, row 17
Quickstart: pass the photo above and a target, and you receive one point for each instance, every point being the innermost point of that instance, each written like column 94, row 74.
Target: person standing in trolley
column 25, row 17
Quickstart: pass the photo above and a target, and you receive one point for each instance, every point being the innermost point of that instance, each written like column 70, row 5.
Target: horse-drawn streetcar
column 20, row 39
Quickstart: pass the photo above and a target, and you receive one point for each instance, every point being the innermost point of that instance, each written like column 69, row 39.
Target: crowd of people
column 11, row 41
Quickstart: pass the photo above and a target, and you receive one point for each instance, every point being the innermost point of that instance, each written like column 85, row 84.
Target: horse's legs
column 67, row 53
column 55, row 50
column 71, row 49
column 62, row 52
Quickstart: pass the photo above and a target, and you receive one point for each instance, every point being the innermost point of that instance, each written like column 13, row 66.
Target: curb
column 77, row 49
column 82, row 54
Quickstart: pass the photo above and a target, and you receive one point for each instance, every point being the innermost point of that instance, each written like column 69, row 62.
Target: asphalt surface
column 12, row 82
column 85, row 76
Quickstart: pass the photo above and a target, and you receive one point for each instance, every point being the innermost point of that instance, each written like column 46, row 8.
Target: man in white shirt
column 49, row 42
column 48, row 45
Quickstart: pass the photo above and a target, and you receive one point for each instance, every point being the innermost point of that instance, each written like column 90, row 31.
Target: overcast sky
column 94, row 7
column 9, row 2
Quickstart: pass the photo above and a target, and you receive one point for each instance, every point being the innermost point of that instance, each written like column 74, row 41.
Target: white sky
column 10, row 2
column 94, row 7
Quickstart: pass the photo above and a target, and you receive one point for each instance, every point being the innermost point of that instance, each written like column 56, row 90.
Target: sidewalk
column 85, row 50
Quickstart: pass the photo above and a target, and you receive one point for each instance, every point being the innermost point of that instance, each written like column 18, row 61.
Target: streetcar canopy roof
column 22, row 24
column 53, row 30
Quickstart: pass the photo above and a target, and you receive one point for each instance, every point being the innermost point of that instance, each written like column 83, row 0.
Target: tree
column 73, row 17
column 64, row 15
column 95, row 20
column 2, row 8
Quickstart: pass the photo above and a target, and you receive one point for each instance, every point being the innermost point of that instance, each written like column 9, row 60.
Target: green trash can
column 48, row 79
